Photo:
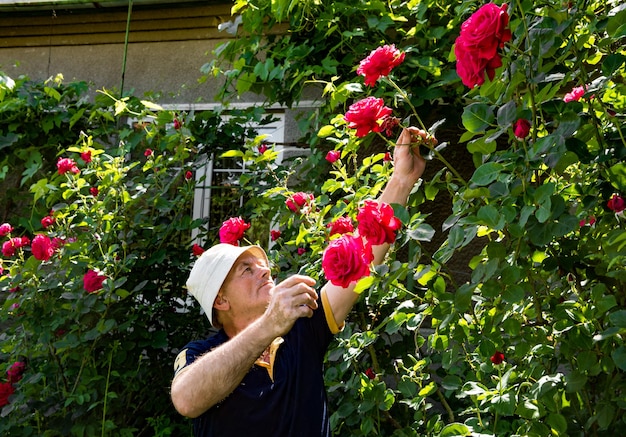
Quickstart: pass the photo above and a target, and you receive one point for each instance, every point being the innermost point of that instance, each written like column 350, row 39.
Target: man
column 262, row 373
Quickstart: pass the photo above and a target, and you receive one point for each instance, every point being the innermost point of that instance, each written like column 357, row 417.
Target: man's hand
column 291, row 299
column 407, row 162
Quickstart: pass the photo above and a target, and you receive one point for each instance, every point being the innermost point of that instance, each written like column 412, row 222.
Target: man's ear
column 221, row 303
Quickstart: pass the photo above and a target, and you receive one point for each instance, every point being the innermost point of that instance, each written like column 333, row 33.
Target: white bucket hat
column 210, row 271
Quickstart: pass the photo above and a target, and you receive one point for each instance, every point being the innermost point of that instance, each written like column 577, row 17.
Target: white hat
column 210, row 271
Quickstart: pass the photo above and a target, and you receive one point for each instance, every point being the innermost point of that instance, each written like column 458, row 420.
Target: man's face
column 248, row 286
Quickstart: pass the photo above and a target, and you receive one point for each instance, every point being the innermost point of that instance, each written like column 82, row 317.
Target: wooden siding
column 55, row 28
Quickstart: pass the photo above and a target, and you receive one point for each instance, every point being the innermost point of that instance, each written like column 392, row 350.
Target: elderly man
column 262, row 373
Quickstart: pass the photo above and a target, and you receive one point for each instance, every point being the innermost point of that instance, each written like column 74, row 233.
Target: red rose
column 232, row 230
column 476, row 47
column 6, row 390
column 616, row 203
column 575, row 95
column 387, row 157
column 497, row 358
column 377, row 222
column 42, row 247
column 188, row 175
column 15, row 372
column 297, row 201
column 94, row 191
column 275, row 234
column 263, row 148
column 197, row 250
column 65, row 165
column 148, row 152
column 47, row 221
column 370, row 373
column 301, row 251
column 333, row 155
column 92, row 281
column 342, row 225
column 521, row 128
column 5, row 229
column 346, row 259
column 86, row 156
column 364, row 115
column 177, row 124
column 379, row 63
column 10, row 247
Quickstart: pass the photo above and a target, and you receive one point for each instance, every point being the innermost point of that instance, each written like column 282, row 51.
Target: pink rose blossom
column 275, row 234
column 379, row 63
column 92, row 281
column 574, row 95
column 299, row 201
column 5, row 229
column 616, row 203
column 333, row 155
column 65, row 165
column 47, row 221
column 366, row 115
column 15, row 372
column 197, row 250
column 521, row 128
column 343, row 225
column 6, row 390
column 42, row 247
column 476, row 47
column 263, row 148
column 232, row 230
column 94, row 191
column 377, row 222
column 86, row 156
column 346, row 260
column 148, row 153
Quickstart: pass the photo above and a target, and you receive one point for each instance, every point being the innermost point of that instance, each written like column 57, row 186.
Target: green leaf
column 513, row 294
column 619, row 357
column 326, row 131
column 487, row 173
column 363, row 284
column 489, row 216
column 477, row 117
column 507, row 114
column 617, row 176
column 455, row 430
column 618, row 318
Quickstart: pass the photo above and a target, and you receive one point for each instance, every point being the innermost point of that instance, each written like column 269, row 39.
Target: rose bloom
column 366, row 115
column 476, row 47
column 497, row 358
column 275, row 234
column 94, row 191
column 263, row 148
column 343, row 225
column 232, row 230
column 47, row 221
column 333, row 155
column 197, row 250
column 177, row 124
column 5, row 229
column 10, row 247
column 379, row 63
column 387, row 157
column 377, row 222
column 42, row 247
column 86, row 156
column 15, row 372
column 301, row 251
column 575, row 94
column 188, row 175
column 297, row 201
column 587, row 221
column 148, row 153
column 521, row 128
column 6, row 390
column 92, row 281
column 616, row 203
column 370, row 373
column 346, row 260
column 65, row 165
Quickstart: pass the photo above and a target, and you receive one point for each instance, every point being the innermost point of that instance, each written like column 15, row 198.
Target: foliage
column 101, row 362
column 547, row 288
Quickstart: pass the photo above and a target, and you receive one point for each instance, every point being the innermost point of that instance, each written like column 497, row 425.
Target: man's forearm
column 216, row 374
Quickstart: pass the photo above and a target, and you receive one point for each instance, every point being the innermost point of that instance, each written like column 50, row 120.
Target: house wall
column 167, row 46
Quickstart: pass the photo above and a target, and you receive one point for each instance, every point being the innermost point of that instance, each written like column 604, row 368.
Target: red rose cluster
column 379, row 63
column 476, row 47
column 347, row 258
column 14, row 374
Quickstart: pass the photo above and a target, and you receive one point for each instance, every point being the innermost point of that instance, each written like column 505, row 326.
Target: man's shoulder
column 200, row 346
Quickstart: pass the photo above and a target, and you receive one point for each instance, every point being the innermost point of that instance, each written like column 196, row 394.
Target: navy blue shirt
column 292, row 404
